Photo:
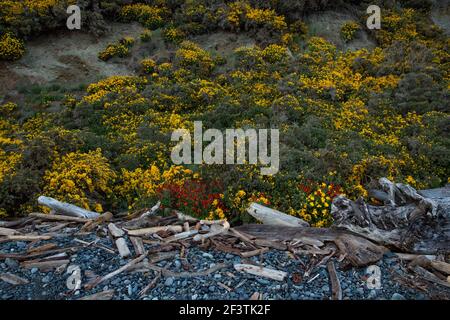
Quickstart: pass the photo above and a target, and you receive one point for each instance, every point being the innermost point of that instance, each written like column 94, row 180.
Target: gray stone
column 212, row 288
column 34, row 270
column 169, row 281
column 397, row 296
column 360, row 291
column 11, row 263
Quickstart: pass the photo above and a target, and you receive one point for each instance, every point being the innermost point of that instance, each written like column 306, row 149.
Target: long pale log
column 66, row 209
column 152, row 230
column 54, row 217
column 8, row 232
column 45, row 265
column 261, row 272
column 274, row 217
column 27, row 237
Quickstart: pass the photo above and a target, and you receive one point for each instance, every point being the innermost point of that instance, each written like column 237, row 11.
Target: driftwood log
column 410, row 221
column 66, row 208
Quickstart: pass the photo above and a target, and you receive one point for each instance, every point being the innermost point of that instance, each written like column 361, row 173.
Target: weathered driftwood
column 122, row 246
column 66, row 209
column 13, row 279
column 336, row 291
column 54, row 217
column 217, row 227
column 28, row 237
column 115, row 231
column 409, row 222
column 181, row 235
column 273, row 217
column 45, row 265
column 138, row 245
column 152, row 230
column 261, row 272
column 358, row 250
column 110, row 275
column 8, row 232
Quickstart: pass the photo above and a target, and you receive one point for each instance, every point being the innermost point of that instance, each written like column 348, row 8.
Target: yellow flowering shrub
column 84, row 179
column 348, row 30
column 11, row 48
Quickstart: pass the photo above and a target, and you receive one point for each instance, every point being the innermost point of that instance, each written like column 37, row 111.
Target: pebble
column 177, row 264
column 397, row 296
column 169, row 282
column 207, row 255
column 212, row 288
column 11, row 263
column 360, row 291
column 34, row 270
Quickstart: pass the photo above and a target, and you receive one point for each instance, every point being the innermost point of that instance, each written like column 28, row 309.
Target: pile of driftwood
column 413, row 225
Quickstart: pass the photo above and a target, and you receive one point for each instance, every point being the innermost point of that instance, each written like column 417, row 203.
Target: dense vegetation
column 345, row 117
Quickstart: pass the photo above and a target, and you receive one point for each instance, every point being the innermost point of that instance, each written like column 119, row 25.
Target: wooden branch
column 66, row 209
column 261, row 272
column 274, row 217
column 150, row 285
column 336, row 291
column 28, row 237
column 54, row 217
column 152, row 211
column 181, row 235
column 115, row 273
column 152, row 230
column 121, row 245
column 429, row 276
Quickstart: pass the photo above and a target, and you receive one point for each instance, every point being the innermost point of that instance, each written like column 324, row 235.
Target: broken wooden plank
column 138, row 245
column 152, row 230
column 66, row 209
column 273, row 217
column 122, row 246
column 13, row 279
column 217, row 227
column 54, row 217
column 336, row 291
column 261, row 271
column 115, row 231
column 8, row 232
column 100, row 296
